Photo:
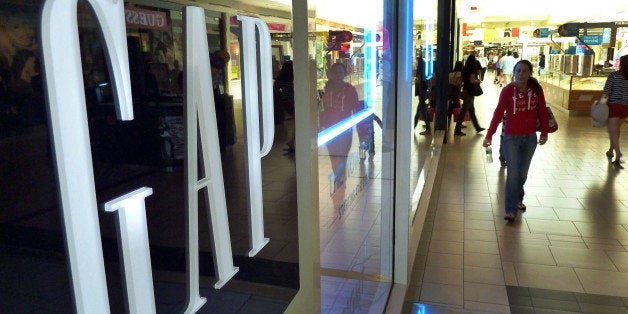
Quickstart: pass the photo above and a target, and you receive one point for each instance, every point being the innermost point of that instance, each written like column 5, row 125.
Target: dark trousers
column 467, row 106
column 422, row 109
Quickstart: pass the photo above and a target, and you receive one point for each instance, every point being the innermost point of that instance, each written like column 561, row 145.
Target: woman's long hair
column 532, row 82
column 458, row 66
column 623, row 66
column 286, row 74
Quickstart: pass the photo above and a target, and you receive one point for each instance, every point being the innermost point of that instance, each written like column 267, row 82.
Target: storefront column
column 308, row 299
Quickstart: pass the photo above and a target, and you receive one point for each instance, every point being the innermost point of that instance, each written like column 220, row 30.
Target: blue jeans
column 519, row 152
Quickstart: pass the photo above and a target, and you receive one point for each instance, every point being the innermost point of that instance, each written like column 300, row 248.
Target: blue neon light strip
column 338, row 128
column 370, row 65
column 429, row 49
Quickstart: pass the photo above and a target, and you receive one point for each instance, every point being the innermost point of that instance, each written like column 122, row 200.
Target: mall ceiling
column 539, row 13
column 476, row 13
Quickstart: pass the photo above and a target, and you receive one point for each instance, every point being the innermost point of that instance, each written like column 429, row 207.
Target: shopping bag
column 457, row 113
column 599, row 112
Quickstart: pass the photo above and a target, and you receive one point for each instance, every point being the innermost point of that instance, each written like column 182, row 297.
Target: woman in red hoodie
column 524, row 103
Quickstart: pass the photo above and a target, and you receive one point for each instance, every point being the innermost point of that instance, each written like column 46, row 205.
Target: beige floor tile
column 582, row 258
column 602, row 230
column 562, row 202
column 547, row 277
column 567, row 183
column 441, row 224
column 576, row 192
column 447, row 235
column 604, row 282
column 488, row 247
column 479, row 307
column 620, row 259
column 451, row 197
column 616, row 216
column 480, row 224
column 446, row 247
column 479, row 235
column 533, row 254
column 475, row 193
column 441, row 275
column 493, row 276
column 510, row 275
column 552, row 227
column 562, row 238
column 544, row 191
column 537, row 212
column 478, row 215
column 482, row 260
column 473, row 201
column 588, row 215
column 449, row 206
column 485, row 293
column 515, row 229
column 602, row 309
column 444, row 294
column 606, row 241
column 569, row 244
column 449, row 215
column 444, row 260
column 607, row 247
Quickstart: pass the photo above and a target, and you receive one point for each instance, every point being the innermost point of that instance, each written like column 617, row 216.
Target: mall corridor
column 568, row 253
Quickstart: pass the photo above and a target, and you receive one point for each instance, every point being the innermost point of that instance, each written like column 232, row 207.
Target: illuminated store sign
column 73, row 160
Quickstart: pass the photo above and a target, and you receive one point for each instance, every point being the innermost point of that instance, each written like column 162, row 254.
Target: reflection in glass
column 355, row 181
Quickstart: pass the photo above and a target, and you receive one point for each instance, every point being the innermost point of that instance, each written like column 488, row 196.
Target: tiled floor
column 567, row 253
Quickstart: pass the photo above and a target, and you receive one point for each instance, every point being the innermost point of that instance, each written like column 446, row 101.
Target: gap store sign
column 73, row 160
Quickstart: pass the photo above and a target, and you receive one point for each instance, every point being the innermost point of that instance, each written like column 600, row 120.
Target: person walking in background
column 453, row 93
column 483, row 65
column 541, row 64
column 470, row 74
column 283, row 95
column 508, row 65
column 523, row 102
column 420, row 90
column 498, row 69
column 616, row 90
column 339, row 101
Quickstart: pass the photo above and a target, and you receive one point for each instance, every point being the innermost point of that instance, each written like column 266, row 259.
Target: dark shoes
column 458, row 133
column 480, row 130
column 426, row 132
column 521, row 207
column 510, row 217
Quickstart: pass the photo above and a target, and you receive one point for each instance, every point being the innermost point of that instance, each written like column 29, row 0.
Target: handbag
column 475, row 89
column 430, row 112
column 553, row 125
column 599, row 112
column 456, row 113
column 454, row 92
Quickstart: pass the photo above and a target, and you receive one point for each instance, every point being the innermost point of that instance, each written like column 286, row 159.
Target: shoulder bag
column 553, row 125
column 475, row 89
column 599, row 112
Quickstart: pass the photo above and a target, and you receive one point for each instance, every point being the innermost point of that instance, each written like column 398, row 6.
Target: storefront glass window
column 423, row 101
column 146, row 151
column 353, row 62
